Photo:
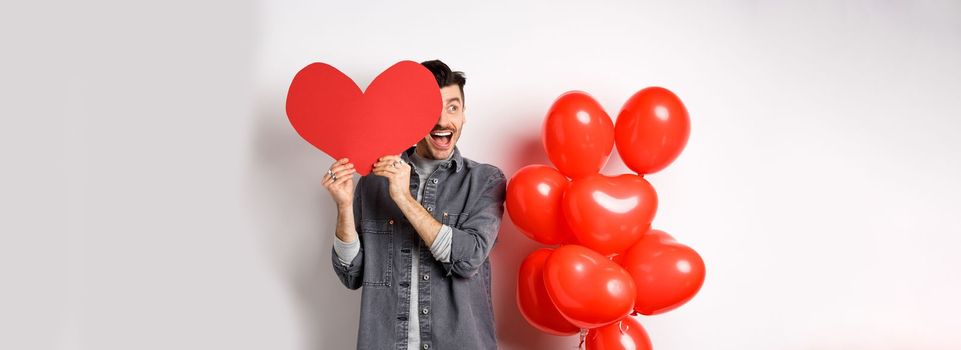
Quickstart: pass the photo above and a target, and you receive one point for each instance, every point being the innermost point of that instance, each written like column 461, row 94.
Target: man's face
column 439, row 144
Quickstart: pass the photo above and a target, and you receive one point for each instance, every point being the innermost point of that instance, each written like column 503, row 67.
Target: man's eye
column 452, row 109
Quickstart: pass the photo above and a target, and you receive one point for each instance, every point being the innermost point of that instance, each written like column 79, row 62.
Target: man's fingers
column 340, row 167
column 337, row 176
column 341, row 180
column 383, row 171
column 383, row 163
column 330, row 182
column 384, row 166
column 388, row 161
column 344, row 173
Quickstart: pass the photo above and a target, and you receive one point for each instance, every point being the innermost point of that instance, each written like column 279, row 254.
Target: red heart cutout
column 610, row 213
column 667, row 273
column 328, row 109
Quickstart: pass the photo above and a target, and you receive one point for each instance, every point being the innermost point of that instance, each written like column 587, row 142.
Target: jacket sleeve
column 352, row 275
column 472, row 242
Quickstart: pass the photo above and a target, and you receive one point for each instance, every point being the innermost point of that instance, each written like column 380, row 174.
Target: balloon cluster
column 610, row 264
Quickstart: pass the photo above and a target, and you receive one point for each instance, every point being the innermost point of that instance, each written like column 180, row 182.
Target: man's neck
column 424, row 165
column 417, row 153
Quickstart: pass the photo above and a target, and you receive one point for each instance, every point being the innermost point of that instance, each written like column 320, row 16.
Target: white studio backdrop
column 170, row 205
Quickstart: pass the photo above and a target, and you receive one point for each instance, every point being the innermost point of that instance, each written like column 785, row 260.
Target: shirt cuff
column 441, row 246
column 346, row 252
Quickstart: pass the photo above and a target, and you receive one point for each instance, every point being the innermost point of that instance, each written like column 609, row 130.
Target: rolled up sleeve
column 471, row 243
column 346, row 252
column 441, row 246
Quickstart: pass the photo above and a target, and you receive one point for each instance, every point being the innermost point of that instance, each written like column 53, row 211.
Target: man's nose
column 442, row 121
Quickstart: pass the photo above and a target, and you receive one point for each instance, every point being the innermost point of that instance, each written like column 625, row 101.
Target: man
column 416, row 234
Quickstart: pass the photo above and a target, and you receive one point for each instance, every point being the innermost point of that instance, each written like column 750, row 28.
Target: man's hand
column 397, row 173
column 339, row 181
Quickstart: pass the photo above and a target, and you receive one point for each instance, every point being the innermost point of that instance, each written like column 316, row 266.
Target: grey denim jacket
column 454, row 298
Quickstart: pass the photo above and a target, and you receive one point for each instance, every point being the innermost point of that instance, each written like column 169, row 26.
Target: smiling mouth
column 441, row 138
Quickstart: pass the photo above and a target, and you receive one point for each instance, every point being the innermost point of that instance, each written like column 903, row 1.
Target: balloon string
column 583, row 337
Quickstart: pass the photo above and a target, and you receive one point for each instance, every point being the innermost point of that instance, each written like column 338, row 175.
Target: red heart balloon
column 588, row 289
column 327, row 109
column 534, row 197
column 626, row 334
column 578, row 135
column 532, row 299
column 652, row 130
column 609, row 214
column 667, row 273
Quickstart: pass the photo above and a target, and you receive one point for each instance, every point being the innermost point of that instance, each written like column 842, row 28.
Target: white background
column 155, row 196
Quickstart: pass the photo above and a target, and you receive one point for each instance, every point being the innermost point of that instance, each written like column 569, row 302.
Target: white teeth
column 442, row 134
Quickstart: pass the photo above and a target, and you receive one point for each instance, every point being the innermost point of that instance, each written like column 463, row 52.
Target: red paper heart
column 328, row 109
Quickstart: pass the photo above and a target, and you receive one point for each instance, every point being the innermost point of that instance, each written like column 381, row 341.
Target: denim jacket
column 454, row 298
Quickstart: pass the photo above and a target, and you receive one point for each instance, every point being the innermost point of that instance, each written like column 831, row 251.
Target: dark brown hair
column 445, row 77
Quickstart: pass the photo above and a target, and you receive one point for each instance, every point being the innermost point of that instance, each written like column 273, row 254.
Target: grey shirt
column 451, row 298
column 424, row 169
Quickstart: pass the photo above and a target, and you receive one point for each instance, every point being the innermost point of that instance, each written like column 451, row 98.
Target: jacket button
column 424, row 311
column 429, row 208
column 433, row 181
column 391, row 221
column 426, row 346
column 426, row 277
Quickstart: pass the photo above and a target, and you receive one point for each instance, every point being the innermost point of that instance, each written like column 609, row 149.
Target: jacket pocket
column 454, row 220
column 378, row 251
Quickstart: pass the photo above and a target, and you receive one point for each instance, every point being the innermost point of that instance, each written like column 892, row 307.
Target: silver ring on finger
column 396, row 164
column 333, row 176
column 330, row 172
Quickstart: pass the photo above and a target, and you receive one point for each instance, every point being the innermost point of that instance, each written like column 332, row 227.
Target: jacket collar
column 455, row 160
